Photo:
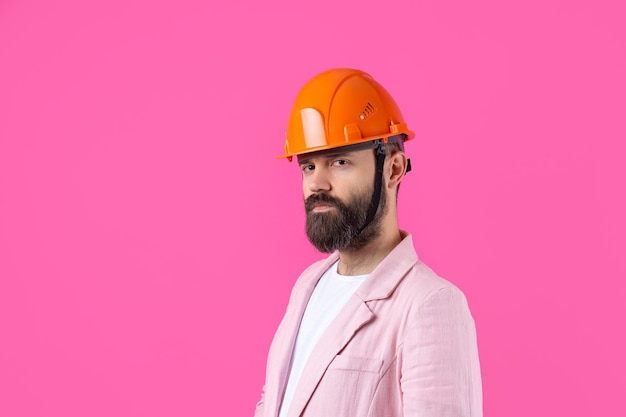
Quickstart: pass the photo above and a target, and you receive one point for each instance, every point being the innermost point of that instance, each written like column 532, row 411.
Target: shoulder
column 315, row 269
column 312, row 274
column 423, row 286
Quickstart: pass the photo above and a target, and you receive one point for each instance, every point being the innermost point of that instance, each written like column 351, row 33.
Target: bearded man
column 370, row 330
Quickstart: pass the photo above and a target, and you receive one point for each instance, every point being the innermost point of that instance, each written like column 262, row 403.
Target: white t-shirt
column 329, row 296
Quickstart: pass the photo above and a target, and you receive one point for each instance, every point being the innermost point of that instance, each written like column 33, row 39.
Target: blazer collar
column 382, row 281
column 379, row 285
column 387, row 275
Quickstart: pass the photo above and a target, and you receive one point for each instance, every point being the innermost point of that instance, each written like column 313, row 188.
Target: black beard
column 339, row 229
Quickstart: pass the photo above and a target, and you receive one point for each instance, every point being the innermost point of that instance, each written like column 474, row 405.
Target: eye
column 340, row 162
column 306, row 168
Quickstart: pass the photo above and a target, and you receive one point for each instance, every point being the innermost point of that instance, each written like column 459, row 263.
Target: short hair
column 390, row 149
column 393, row 147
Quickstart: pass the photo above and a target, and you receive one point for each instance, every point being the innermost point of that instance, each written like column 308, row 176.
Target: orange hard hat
column 341, row 107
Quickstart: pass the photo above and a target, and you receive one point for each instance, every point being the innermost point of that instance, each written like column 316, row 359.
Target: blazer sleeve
column 260, row 406
column 440, row 370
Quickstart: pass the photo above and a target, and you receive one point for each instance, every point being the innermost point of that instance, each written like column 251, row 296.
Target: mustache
column 314, row 199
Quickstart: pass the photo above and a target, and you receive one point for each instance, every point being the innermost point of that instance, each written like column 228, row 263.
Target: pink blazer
column 404, row 345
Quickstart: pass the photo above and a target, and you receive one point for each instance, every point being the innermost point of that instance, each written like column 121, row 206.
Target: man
column 371, row 330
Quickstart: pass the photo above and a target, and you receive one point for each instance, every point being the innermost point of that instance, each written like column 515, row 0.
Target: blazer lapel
column 382, row 282
column 341, row 330
column 380, row 285
column 279, row 361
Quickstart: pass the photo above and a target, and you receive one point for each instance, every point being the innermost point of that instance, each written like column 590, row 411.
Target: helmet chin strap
column 378, row 180
column 378, row 185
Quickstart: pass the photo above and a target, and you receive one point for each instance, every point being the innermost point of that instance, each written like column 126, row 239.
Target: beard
column 339, row 229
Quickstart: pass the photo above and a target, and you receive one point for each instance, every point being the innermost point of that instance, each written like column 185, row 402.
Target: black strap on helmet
column 378, row 185
column 381, row 153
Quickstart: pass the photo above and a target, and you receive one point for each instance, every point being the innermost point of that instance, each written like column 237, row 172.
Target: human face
column 338, row 190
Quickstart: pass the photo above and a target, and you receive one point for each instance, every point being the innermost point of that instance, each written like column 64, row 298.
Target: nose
column 318, row 180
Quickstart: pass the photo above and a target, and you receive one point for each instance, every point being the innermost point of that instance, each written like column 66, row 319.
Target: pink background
column 149, row 238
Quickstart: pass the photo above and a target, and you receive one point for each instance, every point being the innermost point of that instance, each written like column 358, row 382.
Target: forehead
column 360, row 148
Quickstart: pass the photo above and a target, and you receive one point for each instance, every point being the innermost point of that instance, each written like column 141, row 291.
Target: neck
column 364, row 260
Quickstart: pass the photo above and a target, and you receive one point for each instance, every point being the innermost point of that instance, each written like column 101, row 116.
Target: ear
column 395, row 168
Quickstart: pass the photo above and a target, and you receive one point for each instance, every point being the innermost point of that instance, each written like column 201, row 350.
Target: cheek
column 305, row 186
column 306, row 190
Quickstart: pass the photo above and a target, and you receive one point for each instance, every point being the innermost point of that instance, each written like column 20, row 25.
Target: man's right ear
column 398, row 167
